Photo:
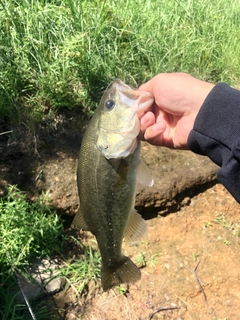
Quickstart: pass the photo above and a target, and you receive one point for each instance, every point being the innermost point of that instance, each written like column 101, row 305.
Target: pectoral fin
column 144, row 175
column 79, row 222
column 136, row 228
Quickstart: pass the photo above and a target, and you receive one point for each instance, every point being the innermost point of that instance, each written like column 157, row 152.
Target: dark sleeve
column 216, row 134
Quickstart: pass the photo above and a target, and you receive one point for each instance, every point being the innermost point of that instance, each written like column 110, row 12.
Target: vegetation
column 63, row 53
column 81, row 272
column 30, row 230
column 27, row 230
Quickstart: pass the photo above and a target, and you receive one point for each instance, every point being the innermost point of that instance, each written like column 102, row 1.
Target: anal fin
column 79, row 222
column 136, row 228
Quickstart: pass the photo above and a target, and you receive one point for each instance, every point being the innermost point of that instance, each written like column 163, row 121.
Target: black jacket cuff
column 216, row 134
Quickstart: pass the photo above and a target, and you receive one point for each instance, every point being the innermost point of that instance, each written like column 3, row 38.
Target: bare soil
column 198, row 244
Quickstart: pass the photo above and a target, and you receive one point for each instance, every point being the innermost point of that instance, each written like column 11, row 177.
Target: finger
column 146, row 121
column 154, row 134
column 147, row 87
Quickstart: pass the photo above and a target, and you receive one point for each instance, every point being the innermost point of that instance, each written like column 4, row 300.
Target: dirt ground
column 189, row 259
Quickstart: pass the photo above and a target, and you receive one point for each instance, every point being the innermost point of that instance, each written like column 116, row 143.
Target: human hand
column 178, row 98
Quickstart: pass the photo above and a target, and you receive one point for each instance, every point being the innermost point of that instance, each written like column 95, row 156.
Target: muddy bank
column 45, row 160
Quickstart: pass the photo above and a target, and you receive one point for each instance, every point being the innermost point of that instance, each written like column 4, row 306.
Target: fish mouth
column 121, row 151
column 144, row 99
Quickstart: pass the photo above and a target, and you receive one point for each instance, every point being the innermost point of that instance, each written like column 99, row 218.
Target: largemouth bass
column 108, row 163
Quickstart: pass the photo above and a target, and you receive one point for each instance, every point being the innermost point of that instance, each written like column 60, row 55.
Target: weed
column 83, row 270
column 121, row 289
column 26, row 230
column 195, row 256
column 141, row 260
column 233, row 228
column 152, row 261
column 207, row 224
column 62, row 54
column 222, row 220
column 236, row 232
column 226, row 242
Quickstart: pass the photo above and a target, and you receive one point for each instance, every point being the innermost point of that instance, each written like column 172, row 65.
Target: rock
column 41, row 279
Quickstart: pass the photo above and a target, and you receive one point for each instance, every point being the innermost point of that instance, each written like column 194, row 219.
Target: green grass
column 80, row 272
column 63, row 53
column 27, row 230
column 30, row 230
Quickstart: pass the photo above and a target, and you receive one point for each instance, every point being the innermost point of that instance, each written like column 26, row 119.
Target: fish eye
column 109, row 104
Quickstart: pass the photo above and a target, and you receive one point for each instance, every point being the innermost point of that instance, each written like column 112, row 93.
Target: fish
column 108, row 165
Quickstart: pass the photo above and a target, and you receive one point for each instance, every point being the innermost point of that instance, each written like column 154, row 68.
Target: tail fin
column 124, row 272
